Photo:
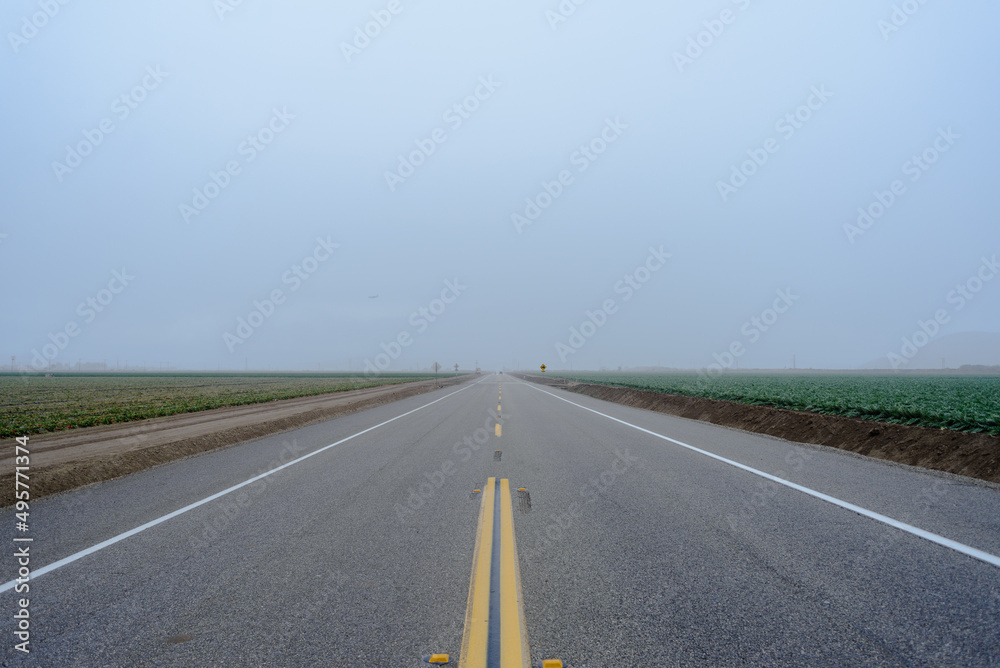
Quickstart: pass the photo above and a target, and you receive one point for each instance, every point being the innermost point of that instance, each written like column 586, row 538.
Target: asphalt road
column 636, row 551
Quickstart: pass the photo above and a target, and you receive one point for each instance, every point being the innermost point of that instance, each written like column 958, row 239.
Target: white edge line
column 927, row 535
column 180, row 511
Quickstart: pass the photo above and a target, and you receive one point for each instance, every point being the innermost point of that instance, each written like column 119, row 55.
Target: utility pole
column 12, row 364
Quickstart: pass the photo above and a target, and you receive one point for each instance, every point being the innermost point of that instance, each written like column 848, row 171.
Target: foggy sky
column 612, row 116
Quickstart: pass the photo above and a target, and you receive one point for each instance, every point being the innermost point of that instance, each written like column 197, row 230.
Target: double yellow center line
column 495, row 632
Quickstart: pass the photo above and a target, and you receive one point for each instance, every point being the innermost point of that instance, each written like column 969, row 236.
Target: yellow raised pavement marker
column 438, row 659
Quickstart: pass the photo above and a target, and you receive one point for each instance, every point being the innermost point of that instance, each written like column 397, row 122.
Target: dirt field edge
column 48, row 480
column 960, row 453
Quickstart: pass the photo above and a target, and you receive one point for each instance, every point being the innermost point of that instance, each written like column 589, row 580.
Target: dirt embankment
column 73, row 458
column 962, row 453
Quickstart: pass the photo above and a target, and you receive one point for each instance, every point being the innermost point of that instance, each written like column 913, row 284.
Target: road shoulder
column 960, row 453
column 71, row 459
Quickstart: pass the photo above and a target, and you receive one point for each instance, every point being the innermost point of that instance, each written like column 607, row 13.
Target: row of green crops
column 35, row 403
column 960, row 402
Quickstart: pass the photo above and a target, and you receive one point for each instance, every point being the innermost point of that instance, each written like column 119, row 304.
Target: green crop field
column 35, row 403
column 960, row 402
